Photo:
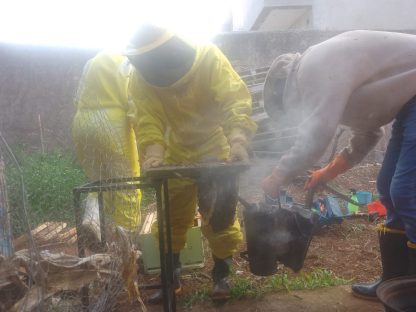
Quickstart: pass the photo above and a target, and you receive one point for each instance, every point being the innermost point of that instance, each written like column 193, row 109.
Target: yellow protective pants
column 183, row 202
column 105, row 145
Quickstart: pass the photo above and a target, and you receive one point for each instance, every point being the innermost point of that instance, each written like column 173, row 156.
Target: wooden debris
column 48, row 235
column 64, row 273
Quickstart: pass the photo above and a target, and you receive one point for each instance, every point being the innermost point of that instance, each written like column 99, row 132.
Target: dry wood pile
column 32, row 276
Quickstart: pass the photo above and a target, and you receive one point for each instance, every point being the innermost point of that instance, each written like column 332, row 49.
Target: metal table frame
column 156, row 178
column 160, row 185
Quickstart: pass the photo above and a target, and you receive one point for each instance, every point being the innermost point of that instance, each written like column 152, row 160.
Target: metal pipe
column 162, row 249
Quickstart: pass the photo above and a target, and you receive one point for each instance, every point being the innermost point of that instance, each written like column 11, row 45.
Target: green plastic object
column 351, row 207
column 192, row 256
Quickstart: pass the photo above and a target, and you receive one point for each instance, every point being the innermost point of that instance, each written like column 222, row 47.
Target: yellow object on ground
column 104, row 139
column 193, row 119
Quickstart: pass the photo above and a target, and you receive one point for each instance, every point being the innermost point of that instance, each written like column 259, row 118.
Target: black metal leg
column 170, row 268
column 162, row 250
column 163, row 217
column 102, row 219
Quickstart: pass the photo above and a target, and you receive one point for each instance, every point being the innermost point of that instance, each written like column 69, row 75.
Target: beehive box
column 192, row 256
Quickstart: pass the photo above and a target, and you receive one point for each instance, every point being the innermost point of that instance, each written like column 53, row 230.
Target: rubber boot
column 394, row 259
column 157, row 297
column 412, row 258
column 220, row 275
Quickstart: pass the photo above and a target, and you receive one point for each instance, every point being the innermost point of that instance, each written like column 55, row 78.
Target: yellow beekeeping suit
column 104, row 139
column 192, row 119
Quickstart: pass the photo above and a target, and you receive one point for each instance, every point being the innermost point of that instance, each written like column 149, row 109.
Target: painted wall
column 42, row 81
column 335, row 14
column 364, row 14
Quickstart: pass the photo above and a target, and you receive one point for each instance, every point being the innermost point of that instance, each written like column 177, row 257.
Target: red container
column 377, row 206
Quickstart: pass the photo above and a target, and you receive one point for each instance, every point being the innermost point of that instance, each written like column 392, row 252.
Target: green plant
column 243, row 286
column 196, row 297
column 246, row 287
column 48, row 181
column 314, row 279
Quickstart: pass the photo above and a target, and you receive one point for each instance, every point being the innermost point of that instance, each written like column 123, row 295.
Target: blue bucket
column 364, row 198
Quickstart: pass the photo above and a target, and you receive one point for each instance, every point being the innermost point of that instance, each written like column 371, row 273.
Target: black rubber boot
column 220, row 273
column 412, row 258
column 394, row 259
column 157, row 297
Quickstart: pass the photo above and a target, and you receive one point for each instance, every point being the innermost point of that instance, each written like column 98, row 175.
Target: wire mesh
column 40, row 223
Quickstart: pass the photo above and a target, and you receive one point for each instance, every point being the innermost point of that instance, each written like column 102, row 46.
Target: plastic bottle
column 351, row 207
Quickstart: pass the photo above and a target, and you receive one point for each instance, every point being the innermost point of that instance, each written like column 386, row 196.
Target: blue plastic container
column 328, row 210
column 364, row 198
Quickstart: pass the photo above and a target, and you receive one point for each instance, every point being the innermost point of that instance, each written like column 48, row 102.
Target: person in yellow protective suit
column 191, row 107
column 105, row 141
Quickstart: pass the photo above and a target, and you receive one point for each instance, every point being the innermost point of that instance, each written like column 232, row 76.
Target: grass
column 196, row 297
column 49, row 180
column 254, row 287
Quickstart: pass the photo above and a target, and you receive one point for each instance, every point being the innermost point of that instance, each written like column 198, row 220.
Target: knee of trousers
column 402, row 195
column 383, row 188
column 225, row 243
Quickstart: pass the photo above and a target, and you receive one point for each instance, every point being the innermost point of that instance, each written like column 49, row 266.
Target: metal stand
column 156, row 178
column 163, row 217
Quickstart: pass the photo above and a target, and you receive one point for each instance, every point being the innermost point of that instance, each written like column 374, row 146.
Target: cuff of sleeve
column 339, row 165
column 347, row 159
column 247, row 128
column 144, row 144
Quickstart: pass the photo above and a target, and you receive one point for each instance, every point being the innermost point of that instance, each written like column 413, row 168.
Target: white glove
column 154, row 156
column 238, row 145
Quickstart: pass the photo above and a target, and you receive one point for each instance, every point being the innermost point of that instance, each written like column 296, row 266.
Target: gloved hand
column 154, row 156
column 238, row 145
column 331, row 171
column 272, row 184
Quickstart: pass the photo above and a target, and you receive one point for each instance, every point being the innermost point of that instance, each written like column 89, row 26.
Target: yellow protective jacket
column 192, row 119
column 103, row 135
column 193, row 116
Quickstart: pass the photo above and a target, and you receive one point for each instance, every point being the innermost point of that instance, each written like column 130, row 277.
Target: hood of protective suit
column 104, row 82
column 206, row 103
column 280, row 77
column 199, row 55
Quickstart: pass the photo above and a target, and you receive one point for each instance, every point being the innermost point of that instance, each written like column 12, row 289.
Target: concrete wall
column 245, row 13
column 364, row 14
column 42, row 81
column 257, row 49
column 38, row 81
column 333, row 14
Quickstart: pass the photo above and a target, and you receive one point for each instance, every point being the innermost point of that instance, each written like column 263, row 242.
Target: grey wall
column 41, row 81
column 257, row 49
column 329, row 15
column 38, row 81
column 364, row 14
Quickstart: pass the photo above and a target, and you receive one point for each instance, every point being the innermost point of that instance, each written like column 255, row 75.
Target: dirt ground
column 333, row 299
column 349, row 249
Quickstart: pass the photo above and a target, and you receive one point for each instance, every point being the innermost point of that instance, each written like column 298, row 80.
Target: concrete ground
column 333, row 299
